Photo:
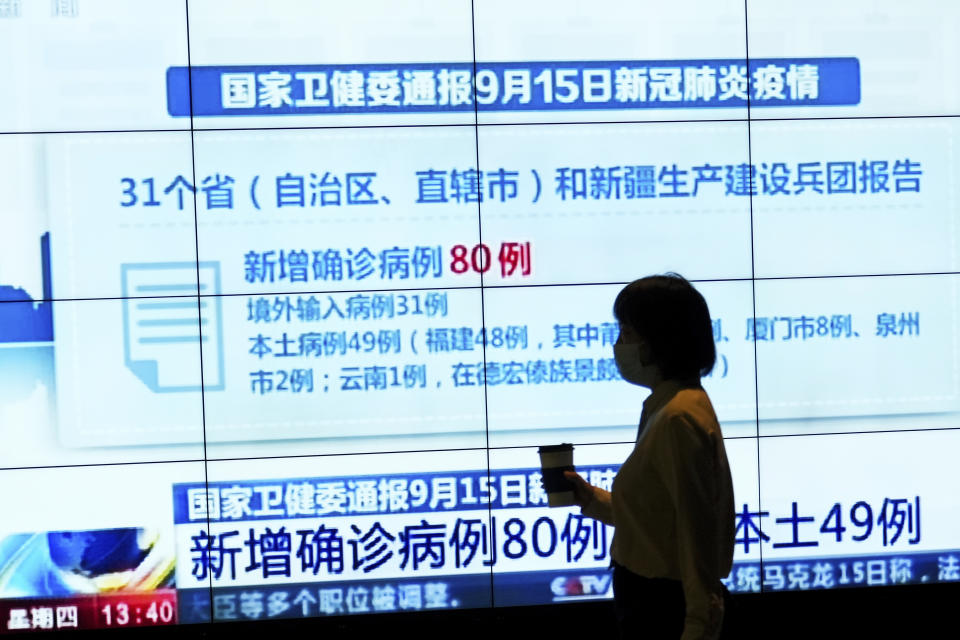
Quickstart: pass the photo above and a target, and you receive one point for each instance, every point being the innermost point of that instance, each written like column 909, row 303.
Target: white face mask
column 627, row 357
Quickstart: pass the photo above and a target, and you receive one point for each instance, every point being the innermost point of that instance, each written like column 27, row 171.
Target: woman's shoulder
column 688, row 399
column 691, row 407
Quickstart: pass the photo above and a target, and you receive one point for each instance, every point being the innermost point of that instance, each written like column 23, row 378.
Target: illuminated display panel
column 291, row 293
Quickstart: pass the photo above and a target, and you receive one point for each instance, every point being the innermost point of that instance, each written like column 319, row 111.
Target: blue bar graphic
column 511, row 86
column 466, row 499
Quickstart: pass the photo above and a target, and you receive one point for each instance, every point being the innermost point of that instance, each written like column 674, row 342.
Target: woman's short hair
column 674, row 319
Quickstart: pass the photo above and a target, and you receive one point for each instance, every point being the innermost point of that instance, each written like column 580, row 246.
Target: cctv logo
column 578, row 587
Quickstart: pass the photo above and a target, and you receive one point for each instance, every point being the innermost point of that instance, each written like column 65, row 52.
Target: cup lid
column 555, row 448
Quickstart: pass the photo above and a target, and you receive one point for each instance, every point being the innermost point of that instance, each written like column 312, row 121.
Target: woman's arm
column 594, row 502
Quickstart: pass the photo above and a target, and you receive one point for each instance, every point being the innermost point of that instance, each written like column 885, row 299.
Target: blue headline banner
column 511, row 86
column 367, row 495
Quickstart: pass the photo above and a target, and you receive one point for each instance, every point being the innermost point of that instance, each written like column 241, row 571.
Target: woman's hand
column 582, row 490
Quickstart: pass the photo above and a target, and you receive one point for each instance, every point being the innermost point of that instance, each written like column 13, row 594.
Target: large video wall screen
column 291, row 292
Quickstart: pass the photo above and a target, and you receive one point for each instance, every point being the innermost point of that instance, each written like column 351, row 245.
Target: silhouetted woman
column 671, row 503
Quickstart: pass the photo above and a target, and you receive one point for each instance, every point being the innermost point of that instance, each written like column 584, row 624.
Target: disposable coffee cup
column 554, row 460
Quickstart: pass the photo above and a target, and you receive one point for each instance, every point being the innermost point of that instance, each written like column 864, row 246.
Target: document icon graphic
column 163, row 324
